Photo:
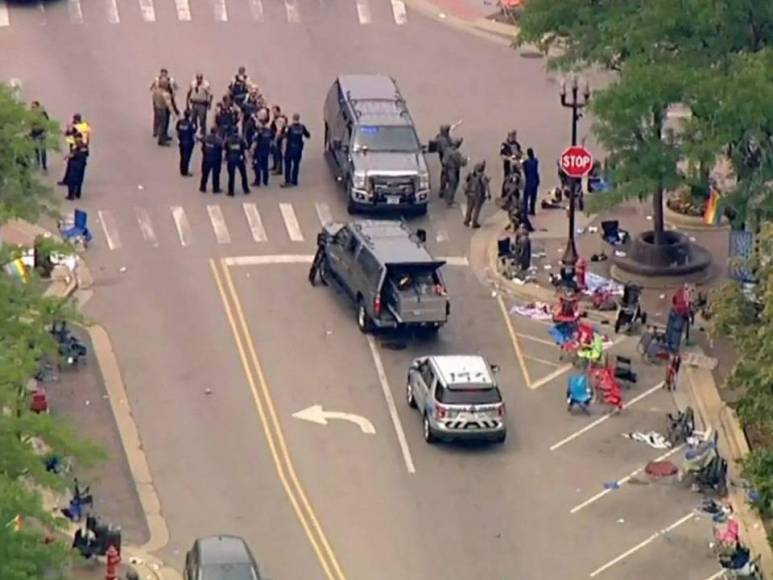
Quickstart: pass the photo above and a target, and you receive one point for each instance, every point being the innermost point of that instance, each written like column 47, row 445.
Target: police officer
column 226, row 117
column 442, row 142
column 235, row 150
column 239, row 87
column 279, row 127
column 532, row 181
column 453, row 161
column 319, row 258
column 186, row 137
column 511, row 153
column 211, row 160
column 263, row 140
column 296, row 133
column 76, row 168
column 477, row 190
column 38, row 134
column 199, row 101
column 249, row 115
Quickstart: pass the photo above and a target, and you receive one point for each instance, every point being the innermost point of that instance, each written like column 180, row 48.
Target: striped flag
column 712, row 215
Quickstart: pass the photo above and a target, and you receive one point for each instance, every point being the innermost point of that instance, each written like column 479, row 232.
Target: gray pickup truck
column 388, row 273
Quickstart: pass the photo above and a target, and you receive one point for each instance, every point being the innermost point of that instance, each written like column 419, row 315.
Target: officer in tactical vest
column 235, row 153
column 296, row 134
column 186, row 138
column 263, row 141
column 211, row 160
column 239, row 87
column 477, row 190
column 226, row 117
column 453, row 161
column 442, row 142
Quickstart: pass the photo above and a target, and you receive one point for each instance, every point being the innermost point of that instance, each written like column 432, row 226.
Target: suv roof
column 224, row 550
column 392, row 242
column 462, row 369
column 375, row 100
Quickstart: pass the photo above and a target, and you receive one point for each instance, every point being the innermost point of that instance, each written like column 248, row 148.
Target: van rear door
column 416, row 293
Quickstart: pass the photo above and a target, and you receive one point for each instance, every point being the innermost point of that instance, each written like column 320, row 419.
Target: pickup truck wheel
column 429, row 436
column 351, row 207
column 364, row 322
column 409, row 395
column 324, row 271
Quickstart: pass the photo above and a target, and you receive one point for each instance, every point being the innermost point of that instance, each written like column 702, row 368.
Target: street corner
column 78, row 394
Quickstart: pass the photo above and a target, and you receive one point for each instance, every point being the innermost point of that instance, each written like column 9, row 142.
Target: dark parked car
column 221, row 558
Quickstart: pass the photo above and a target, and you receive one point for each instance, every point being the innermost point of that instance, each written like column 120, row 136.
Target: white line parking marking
column 146, row 226
column 302, row 259
column 535, row 339
column 148, row 10
column 625, row 480
column 398, row 11
column 600, row 420
column 719, row 574
column 293, row 12
column 363, row 11
column 5, row 19
column 255, row 223
column 256, row 9
column 110, row 229
column 541, row 361
column 221, row 13
column 456, row 260
column 291, row 222
column 639, row 546
column 183, row 10
column 183, row 227
column 390, row 400
column 218, row 224
column 323, row 213
column 112, row 12
column 75, row 12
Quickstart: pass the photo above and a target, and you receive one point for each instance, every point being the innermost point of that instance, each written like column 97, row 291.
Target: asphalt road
column 314, row 501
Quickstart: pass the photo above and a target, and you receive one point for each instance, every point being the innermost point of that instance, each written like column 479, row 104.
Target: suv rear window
column 414, row 280
column 472, row 394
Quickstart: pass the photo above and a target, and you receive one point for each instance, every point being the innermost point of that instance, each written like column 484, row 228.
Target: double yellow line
column 270, row 422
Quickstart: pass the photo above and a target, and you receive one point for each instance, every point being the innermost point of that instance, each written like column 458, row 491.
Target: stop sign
column 576, row 161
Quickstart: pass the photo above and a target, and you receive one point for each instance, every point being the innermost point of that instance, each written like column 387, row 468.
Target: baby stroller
column 680, row 426
column 578, row 393
column 739, row 564
column 653, row 345
column 629, row 310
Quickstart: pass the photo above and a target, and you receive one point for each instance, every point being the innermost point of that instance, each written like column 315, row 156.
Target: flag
column 16, row 523
column 17, row 269
column 712, row 214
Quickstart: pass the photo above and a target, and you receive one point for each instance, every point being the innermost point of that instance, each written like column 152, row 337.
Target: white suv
column 457, row 398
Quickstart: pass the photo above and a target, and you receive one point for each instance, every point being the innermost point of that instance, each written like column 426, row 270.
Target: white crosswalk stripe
column 183, row 10
column 255, row 223
column 148, row 10
column 5, row 17
column 75, row 12
column 323, row 213
column 363, row 12
column 399, row 12
column 218, row 224
column 293, row 11
column 291, row 222
column 110, row 228
column 256, row 9
column 221, row 13
column 183, row 227
column 112, row 11
column 146, row 226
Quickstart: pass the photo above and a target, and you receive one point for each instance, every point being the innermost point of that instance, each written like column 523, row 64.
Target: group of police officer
column 244, row 126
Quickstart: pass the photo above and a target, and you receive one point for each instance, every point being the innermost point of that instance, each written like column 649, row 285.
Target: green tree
column 25, row 319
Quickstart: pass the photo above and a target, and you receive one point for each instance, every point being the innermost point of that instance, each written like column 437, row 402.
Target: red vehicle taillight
column 377, row 305
column 502, row 410
column 440, row 290
column 440, row 411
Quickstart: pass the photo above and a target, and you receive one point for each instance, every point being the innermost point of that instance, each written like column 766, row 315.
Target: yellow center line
column 271, row 427
column 514, row 339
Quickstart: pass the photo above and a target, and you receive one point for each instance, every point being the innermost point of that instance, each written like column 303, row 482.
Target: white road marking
column 291, row 222
column 75, row 12
column 623, row 481
column 183, row 10
column 183, row 227
column 148, row 10
column 323, row 213
column 716, row 576
column 255, row 223
column 316, row 414
column 541, row 361
column 641, row 545
column 390, row 401
column 600, row 420
column 146, row 226
column 218, row 224
column 256, row 9
column 363, row 12
column 539, row 340
column 221, row 13
column 5, row 19
column 398, row 11
column 293, row 11
column 567, row 367
column 110, row 229
column 112, row 11
column 307, row 259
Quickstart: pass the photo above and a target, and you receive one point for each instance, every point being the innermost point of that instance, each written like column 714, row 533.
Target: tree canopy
column 25, row 320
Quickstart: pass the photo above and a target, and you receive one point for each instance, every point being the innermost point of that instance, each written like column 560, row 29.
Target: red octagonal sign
column 576, row 161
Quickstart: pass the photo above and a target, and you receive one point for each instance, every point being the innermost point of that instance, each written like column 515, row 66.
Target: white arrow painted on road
column 316, row 414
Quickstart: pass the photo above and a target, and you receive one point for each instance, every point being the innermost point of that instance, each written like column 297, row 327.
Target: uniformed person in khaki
column 199, row 101
column 453, row 161
column 477, row 190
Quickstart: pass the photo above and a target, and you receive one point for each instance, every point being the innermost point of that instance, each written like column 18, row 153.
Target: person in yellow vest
column 77, row 127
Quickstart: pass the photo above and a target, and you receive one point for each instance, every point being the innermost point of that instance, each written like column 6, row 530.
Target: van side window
column 353, row 245
column 343, row 237
column 369, row 265
column 426, row 374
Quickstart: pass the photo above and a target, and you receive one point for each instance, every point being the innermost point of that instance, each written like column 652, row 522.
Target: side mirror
column 495, row 369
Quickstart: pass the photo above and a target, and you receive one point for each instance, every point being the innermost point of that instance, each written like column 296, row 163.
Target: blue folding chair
column 78, row 231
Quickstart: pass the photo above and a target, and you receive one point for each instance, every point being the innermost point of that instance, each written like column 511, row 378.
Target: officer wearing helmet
column 477, row 190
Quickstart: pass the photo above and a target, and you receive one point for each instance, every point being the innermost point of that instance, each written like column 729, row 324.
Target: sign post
column 576, row 162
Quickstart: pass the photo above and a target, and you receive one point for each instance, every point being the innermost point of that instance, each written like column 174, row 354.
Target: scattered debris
column 123, row 269
column 140, row 187
column 493, row 293
column 611, row 485
column 692, row 239
column 442, row 15
column 592, row 229
column 651, row 438
column 661, row 469
column 620, row 253
column 621, row 521
column 547, row 267
column 580, row 231
column 207, row 391
column 649, row 218
column 88, row 402
column 662, row 296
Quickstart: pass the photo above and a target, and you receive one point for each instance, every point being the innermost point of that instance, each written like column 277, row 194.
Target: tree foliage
column 25, row 320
